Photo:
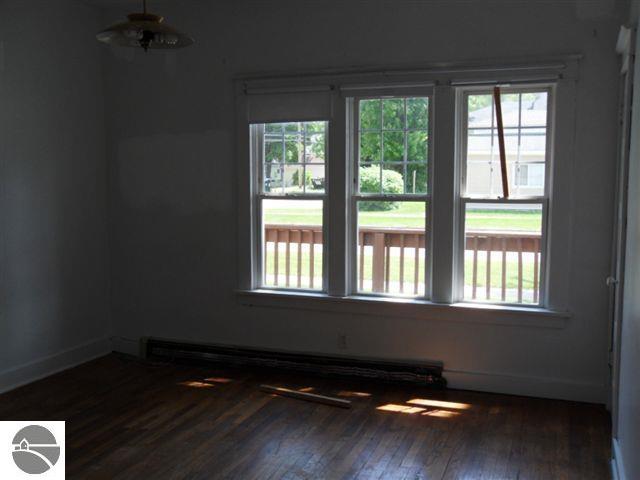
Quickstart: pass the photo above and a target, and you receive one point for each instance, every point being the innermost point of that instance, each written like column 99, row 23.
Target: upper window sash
column 527, row 117
column 291, row 158
column 392, row 133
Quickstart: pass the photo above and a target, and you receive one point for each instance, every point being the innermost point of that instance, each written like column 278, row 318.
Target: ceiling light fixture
column 144, row 30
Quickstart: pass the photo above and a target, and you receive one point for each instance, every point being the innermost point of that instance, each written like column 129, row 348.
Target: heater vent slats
column 429, row 374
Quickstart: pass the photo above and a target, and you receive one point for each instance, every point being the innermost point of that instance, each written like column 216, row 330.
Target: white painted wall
column 173, row 176
column 53, row 230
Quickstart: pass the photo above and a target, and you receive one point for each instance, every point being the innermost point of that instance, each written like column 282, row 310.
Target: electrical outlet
column 342, row 341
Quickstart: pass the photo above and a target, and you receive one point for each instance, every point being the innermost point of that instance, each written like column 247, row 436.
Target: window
column 291, row 162
column 530, row 175
column 503, row 241
column 398, row 190
column 390, row 198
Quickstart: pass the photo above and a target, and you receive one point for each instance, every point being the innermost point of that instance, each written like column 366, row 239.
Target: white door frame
column 626, row 48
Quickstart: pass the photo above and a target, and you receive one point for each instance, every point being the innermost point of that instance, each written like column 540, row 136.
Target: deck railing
column 379, row 247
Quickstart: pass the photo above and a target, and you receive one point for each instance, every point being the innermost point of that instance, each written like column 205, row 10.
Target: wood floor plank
column 130, row 419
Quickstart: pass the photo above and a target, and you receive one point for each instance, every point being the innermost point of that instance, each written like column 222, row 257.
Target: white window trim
column 561, row 71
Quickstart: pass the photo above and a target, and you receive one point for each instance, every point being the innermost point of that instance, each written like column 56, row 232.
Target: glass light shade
column 144, row 30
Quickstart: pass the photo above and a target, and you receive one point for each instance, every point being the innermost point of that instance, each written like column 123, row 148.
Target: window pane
column 502, row 256
column 294, row 127
column 369, row 177
column 370, row 147
column 293, row 149
column 273, row 149
column 274, row 128
column 286, row 148
column 315, row 148
column 315, row 178
column 479, row 142
column 529, row 178
column 314, row 127
column 510, row 143
column 533, row 143
column 418, row 113
column 484, row 178
column 416, row 178
column 393, row 146
column 481, row 111
column 273, row 177
column 417, row 146
column 391, row 247
column 534, row 109
column 294, row 179
column 292, row 250
column 393, row 114
column 392, row 178
column 370, row 115
column 510, row 109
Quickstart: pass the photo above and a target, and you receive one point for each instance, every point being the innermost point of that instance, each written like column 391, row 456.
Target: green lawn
column 496, row 269
column 412, row 215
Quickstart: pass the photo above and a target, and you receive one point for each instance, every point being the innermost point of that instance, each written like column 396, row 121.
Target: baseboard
column 423, row 373
column 43, row 367
column 617, row 465
column 129, row 346
column 529, row 386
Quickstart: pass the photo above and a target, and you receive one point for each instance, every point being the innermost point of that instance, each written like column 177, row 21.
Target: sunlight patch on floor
column 424, row 402
column 394, row 407
column 196, row 384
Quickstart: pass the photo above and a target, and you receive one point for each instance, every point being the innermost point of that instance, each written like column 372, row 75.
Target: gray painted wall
column 53, row 230
column 173, row 175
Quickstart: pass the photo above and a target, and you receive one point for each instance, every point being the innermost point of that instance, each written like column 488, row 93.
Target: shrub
column 392, row 182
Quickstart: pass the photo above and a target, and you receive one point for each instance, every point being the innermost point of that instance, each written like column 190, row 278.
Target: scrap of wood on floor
column 309, row 397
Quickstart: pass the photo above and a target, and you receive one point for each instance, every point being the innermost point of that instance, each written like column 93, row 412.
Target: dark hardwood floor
column 127, row 419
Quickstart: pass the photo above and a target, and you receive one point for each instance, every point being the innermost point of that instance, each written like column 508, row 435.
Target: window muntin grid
column 294, row 159
column 525, row 131
column 393, row 145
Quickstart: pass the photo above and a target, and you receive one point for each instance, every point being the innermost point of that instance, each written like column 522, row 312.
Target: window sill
column 492, row 314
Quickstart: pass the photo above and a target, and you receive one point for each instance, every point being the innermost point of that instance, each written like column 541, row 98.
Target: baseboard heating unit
column 428, row 374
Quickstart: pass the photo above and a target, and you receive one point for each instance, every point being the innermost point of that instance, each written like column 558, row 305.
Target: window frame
column 462, row 200
column 278, row 97
column 256, row 135
column 354, row 196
